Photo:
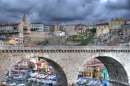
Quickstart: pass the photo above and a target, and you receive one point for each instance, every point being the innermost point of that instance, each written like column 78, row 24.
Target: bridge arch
column 116, row 71
column 61, row 76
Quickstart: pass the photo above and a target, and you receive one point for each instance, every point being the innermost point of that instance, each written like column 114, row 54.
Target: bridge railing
column 65, row 48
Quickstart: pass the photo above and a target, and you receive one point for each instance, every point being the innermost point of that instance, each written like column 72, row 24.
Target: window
column 25, row 28
column 128, row 22
column 120, row 22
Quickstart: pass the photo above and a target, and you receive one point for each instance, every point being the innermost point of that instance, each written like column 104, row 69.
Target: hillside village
column 114, row 33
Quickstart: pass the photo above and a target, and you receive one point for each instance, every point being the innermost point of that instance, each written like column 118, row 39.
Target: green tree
column 31, row 66
column 93, row 30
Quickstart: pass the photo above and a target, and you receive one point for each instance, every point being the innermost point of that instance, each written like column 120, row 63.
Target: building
column 127, row 21
column 51, row 27
column 91, row 26
column 20, row 68
column 10, row 41
column 116, row 23
column 59, row 33
column 102, row 29
column 23, row 64
column 16, row 31
column 80, row 28
column 1, row 41
column 37, row 27
column 42, row 66
column 56, row 27
column 94, row 69
column 70, row 29
column 46, row 28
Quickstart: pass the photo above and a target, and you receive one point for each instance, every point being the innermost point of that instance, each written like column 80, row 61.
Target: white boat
column 12, row 84
column 21, row 85
column 4, row 83
column 18, row 78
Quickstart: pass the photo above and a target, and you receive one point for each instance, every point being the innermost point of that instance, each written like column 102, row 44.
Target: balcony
column 8, row 31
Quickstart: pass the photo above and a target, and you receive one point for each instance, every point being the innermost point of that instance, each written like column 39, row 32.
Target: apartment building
column 102, row 29
column 80, row 28
column 15, row 31
column 37, row 27
column 116, row 23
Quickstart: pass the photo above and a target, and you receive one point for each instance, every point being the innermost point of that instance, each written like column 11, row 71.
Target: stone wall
column 37, row 37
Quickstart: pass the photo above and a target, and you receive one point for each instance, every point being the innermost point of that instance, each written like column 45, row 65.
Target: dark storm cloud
column 118, row 5
column 63, row 11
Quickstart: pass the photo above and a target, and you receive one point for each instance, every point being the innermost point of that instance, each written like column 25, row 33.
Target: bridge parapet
column 66, row 48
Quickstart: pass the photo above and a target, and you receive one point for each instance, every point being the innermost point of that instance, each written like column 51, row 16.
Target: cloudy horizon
column 63, row 11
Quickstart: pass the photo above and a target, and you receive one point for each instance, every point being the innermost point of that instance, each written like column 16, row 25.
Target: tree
column 93, row 30
column 31, row 66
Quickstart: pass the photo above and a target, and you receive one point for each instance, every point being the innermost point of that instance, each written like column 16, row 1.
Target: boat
column 21, row 85
column 12, row 84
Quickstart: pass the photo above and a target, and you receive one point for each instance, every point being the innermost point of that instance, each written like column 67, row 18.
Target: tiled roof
column 92, row 65
column 80, row 24
column 71, row 24
column 36, row 23
column 11, row 24
column 102, row 24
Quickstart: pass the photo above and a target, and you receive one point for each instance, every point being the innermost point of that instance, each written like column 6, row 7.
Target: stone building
column 102, row 29
column 70, row 29
column 118, row 22
column 15, row 31
column 80, row 28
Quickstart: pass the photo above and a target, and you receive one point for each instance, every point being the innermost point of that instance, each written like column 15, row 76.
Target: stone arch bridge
column 67, row 60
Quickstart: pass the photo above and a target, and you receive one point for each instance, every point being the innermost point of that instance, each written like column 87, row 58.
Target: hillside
column 119, row 37
column 80, row 39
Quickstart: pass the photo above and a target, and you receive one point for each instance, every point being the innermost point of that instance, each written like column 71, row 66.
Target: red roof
column 93, row 65
column 71, row 24
column 80, row 24
column 75, row 24
column 102, row 24
column 36, row 23
column 11, row 24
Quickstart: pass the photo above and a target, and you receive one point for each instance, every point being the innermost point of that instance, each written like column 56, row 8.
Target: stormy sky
column 63, row 11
